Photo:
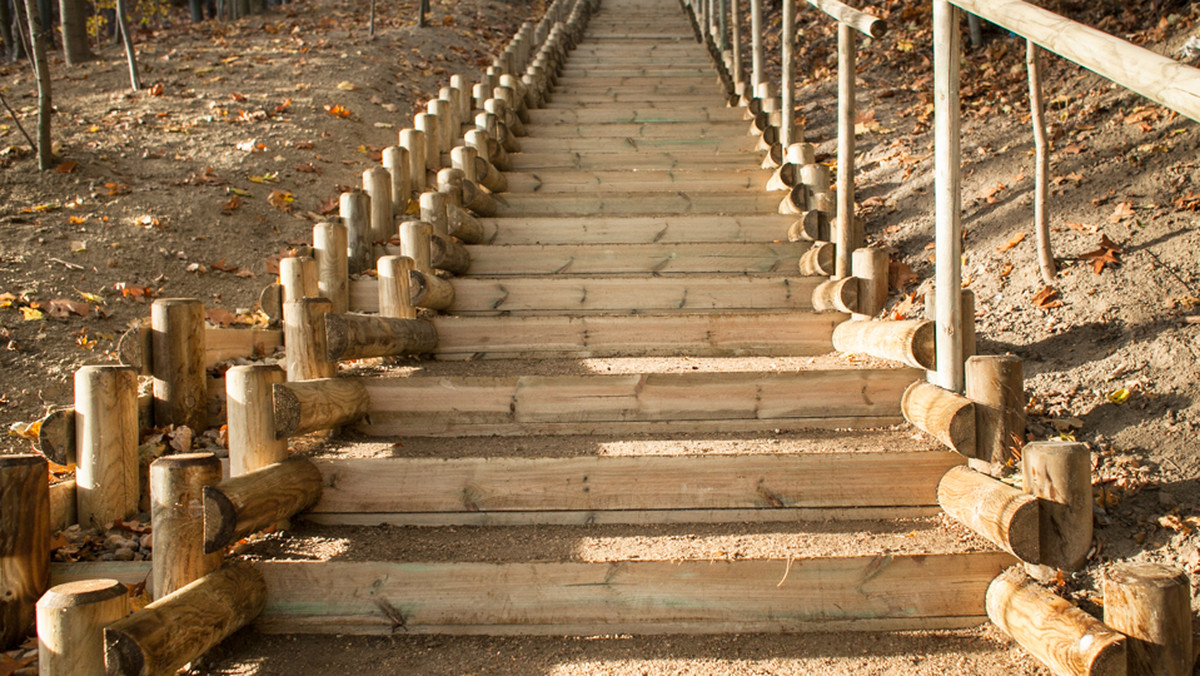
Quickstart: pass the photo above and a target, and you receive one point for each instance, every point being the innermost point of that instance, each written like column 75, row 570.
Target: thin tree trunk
column 123, row 24
column 74, row 31
column 423, row 8
column 45, row 160
column 6, row 32
column 371, row 29
column 1041, row 162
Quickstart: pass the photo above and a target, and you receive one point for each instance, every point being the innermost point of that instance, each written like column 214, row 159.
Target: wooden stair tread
column 639, row 203
column 664, row 113
column 605, row 181
column 638, row 229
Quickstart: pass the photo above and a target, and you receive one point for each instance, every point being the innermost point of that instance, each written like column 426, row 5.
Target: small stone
column 147, row 541
column 123, row 554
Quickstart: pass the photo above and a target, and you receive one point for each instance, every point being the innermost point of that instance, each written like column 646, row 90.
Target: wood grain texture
column 859, row 593
column 24, row 542
column 948, row 417
column 1059, row 474
column 635, row 229
column 1062, row 636
column 651, row 258
column 176, row 511
column 312, row 405
column 1151, row 604
column 242, row 505
column 176, row 629
column 1005, row 516
column 70, row 622
column 178, row 358
column 633, row 483
column 358, row 336
column 106, row 442
column 908, row 341
column 250, row 416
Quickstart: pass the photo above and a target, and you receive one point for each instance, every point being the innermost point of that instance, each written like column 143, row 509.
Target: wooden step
column 641, row 130
column 605, row 580
column 580, row 73
column 646, row 114
column 633, row 98
column 655, row 489
column 649, row 89
column 713, row 335
column 614, row 295
column 604, row 182
column 593, row 259
column 634, row 230
column 675, row 159
column 646, row 402
column 675, row 202
column 725, row 143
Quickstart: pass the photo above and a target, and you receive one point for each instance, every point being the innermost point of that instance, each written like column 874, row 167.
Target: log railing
column 449, row 166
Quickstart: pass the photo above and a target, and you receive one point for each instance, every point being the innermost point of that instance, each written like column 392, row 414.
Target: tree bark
column 74, row 31
column 134, row 80
column 42, row 67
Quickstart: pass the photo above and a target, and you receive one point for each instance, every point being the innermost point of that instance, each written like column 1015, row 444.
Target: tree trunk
column 74, row 31
column 45, row 161
column 134, row 80
column 6, row 32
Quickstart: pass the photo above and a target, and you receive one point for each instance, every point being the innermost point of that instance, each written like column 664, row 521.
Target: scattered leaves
column 1109, row 253
column 117, row 188
column 30, row 314
column 1120, row 396
column 900, row 275
column 281, row 199
column 347, row 86
column 337, row 110
column 1015, row 240
column 233, row 204
column 1124, row 210
column 66, row 167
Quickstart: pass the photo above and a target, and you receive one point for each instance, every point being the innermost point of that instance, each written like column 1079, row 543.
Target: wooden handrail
column 1157, row 77
column 860, row 21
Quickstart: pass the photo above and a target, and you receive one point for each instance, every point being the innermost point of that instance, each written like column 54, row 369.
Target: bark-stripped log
column 947, row 416
column 24, row 542
column 908, row 341
column 1003, row 515
column 1151, row 604
column 356, row 336
column 311, row 405
column 840, row 295
column 246, row 504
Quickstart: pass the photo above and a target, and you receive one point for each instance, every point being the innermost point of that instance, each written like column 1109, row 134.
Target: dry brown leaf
column 1016, row 239
column 1047, row 298
column 1108, row 253
column 66, row 167
column 1006, row 270
column 1124, row 210
column 900, row 275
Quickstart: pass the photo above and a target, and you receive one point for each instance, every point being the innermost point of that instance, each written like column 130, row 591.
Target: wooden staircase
column 633, row 423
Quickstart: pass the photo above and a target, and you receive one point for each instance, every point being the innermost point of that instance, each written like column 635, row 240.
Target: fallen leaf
column 156, row 90
column 1083, row 227
column 28, row 431
column 338, row 110
column 1016, row 239
column 347, row 86
column 90, row 297
column 240, row 193
column 220, row 316
column 1124, row 210
column 62, row 308
column 269, row 177
column 900, row 275
column 1047, row 298
column 32, row 314
column 66, row 167
column 1109, row 253
column 1120, row 396
column 1006, row 270
column 234, row 203
column 281, row 199
column 117, row 188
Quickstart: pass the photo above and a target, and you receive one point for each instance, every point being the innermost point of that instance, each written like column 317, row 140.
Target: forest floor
column 249, row 130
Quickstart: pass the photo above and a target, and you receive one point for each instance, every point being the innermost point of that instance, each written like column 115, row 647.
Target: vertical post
column 787, row 86
column 758, row 72
column 1041, row 162
column 947, row 52
column 996, row 383
column 251, row 416
column 395, row 297
column 298, row 277
column 106, row 444
column 413, row 140
column 330, row 243
column 735, row 28
column 1058, row 473
column 433, row 210
column 1151, row 604
column 870, row 267
column 304, row 336
column 180, row 390
column 71, row 618
column 847, row 238
column 177, row 518
column 377, row 183
column 24, row 542
column 427, row 123
column 414, row 244
column 395, row 160
column 355, row 210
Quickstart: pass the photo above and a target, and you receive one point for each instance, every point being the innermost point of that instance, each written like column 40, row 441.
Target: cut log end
column 220, row 518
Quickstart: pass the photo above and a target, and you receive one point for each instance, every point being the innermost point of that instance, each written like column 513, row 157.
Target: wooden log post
column 478, row 200
column 947, row 58
column 500, row 107
column 517, row 100
column 176, row 509
column 450, row 183
column 250, row 411
column 966, row 331
column 488, row 148
column 427, row 123
column 818, row 260
column 71, row 618
column 783, row 178
column 787, row 88
column 330, row 245
column 480, row 93
column 947, row 416
column 246, row 504
column 1063, row 637
column 1003, row 515
column 796, row 201
column 908, row 341
column 354, row 208
column 24, row 542
column 396, row 162
column 870, row 267
column 178, row 628
column 848, row 238
column 377, row 184
column 180, row 385
column 298, row 278
column 836, row 295
column 463, row 225
column 106, row 443
column 312, row 405
column 464, row 159
column 304, row 336
column 357, row 336
column 1058, row 473
column 442, row 110
column 449, row 255
column 735, row 47
column 433, row 210
column 428, row 290
column 806, row 227
column 758, row 71
column 395, row 298
column 996, row 383
column 1151, row 604
column 413, row 141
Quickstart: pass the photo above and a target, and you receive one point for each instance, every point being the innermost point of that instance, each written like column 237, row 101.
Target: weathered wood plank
column 603, row 182
column 864, row 593
column 637, row 203
column 661, row 114
column 589, row 259
column 725, row 143
column 223, row 344
column 674, row 159
column 437, row 406
column 710, row 482
column 776, row 334
column 634, row 230
column 620, row 295
column 641, row 130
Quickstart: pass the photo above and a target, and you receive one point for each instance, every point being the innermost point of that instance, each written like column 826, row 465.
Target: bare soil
column 144, row 206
